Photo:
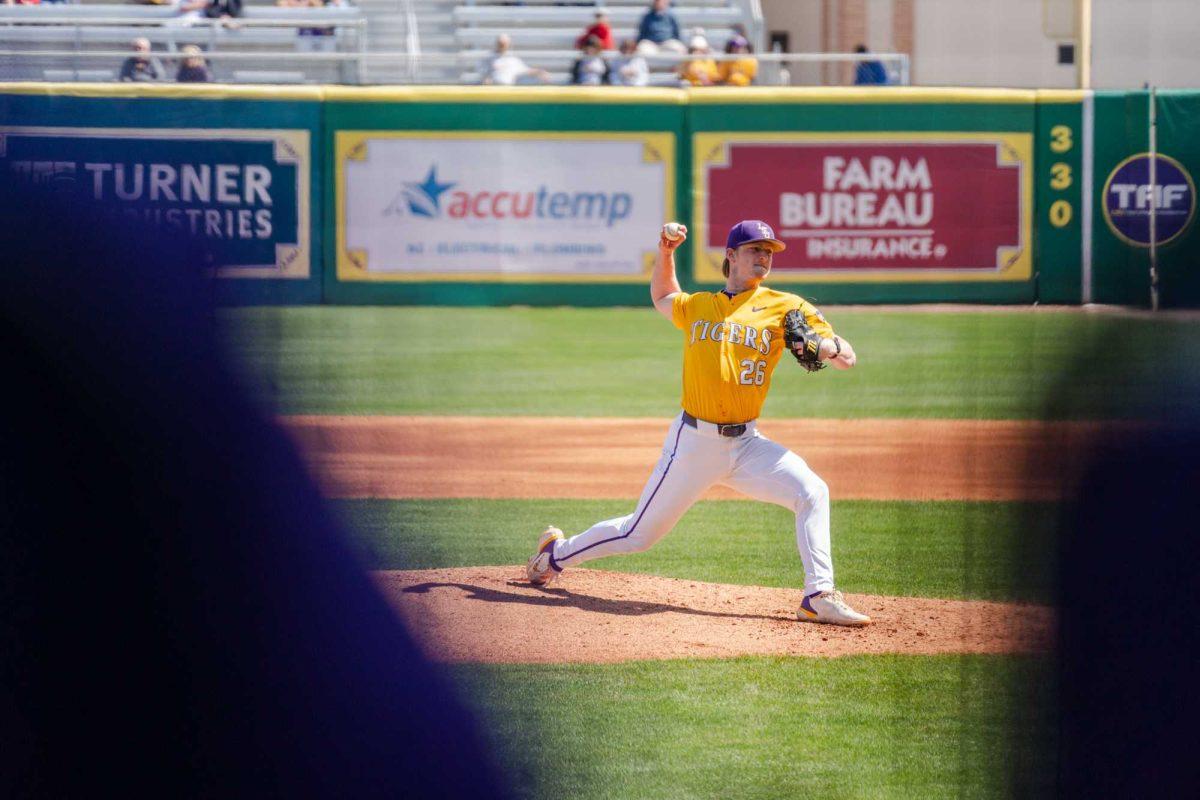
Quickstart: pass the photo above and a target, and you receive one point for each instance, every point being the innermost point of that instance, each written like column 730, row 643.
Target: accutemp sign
column 488, row 206
column 1129, row 195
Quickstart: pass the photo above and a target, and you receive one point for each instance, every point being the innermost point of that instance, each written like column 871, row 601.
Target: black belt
column 724, row 430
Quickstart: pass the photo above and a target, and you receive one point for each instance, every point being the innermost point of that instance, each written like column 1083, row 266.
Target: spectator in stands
column 739, row 72
column 629, row 68
column 505, row 69
column 590, row 68
column 192, row 11
column 22, row 2
column 188, row 11
column 193, row 69
column 224, row 10
column 142, row 68
column 314, row 40
column 700, row 69
column 869, row 72
column 659, row 30
column 600, row 30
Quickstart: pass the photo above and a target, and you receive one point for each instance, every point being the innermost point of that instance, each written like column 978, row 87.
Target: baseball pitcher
column 732, row 341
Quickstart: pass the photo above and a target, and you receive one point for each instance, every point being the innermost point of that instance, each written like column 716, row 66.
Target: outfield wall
column 546, row 196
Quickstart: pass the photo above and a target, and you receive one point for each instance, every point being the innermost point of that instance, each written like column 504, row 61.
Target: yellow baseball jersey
column 731, row 347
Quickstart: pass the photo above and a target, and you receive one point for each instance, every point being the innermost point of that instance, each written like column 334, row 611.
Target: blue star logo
column 423, row 197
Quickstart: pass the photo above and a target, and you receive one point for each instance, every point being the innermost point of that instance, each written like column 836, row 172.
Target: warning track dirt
column 602, row 458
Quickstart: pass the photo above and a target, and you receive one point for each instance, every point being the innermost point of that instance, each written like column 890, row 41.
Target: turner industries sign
column 935, row 206
column 245, row 193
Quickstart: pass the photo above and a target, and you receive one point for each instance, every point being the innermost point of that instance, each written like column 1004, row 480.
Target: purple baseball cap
column 752, row 230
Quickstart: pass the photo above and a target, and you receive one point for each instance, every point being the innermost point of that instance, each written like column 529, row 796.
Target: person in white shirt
column 505, row 69
column 590, row 68
column 629, row 68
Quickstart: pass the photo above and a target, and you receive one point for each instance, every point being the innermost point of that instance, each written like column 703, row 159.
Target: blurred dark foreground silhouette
column 179, row 616
column 1130, row 621
column 1129, row 600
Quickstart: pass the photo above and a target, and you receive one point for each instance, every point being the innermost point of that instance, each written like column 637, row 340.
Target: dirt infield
column 490, row 614
column 557, row 457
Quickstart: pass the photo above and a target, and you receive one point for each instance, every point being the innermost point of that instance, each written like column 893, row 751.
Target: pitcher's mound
column 492, row 614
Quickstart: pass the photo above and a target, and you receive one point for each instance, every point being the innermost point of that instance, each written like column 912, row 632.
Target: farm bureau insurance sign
column 939, row 207
column 244, row 192
column 496, row 206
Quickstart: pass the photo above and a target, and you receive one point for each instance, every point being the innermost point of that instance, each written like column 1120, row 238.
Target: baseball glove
column 803, row 342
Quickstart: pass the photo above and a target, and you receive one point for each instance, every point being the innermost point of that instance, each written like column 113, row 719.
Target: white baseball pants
column 695, row 458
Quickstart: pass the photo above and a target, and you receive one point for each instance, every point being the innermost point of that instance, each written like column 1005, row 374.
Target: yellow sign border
column 351, row 265
column 858, row 95
column 176, row 91
column 605, row 95
column 710, row 148
column 491, row 95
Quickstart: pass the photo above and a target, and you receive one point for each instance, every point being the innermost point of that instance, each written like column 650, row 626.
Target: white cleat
column 830, row 608
column 541, row 568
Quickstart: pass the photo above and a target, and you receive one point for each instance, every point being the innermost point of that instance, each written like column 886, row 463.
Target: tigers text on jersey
column 731, row 347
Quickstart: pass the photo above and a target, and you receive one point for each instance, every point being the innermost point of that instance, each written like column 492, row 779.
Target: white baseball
column 673, row 231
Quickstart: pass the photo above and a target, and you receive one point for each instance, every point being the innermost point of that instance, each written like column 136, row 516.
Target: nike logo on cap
column 758, row 308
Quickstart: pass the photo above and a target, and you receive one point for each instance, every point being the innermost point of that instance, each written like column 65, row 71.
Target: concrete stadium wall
column 978, row 43
column 1012, row 44
column 981, row 43
column 1150, row 42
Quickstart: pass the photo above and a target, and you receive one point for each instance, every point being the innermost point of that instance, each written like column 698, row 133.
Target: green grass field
column 861, row 727
column 881, row 726
column 625, row 362
column 958, row 550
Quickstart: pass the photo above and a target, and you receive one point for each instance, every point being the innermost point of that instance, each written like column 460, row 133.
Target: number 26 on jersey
column 753, row 372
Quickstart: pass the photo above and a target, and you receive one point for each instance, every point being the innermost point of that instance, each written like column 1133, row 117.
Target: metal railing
column 90, row 39
column 183, row 23
column 412, row 40
column 773, row 74
column 174, row 25
column 773, row 66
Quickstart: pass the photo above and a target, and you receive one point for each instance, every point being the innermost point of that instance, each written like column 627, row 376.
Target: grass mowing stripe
column 972, row 550
column 868, row 726
column 625, row 362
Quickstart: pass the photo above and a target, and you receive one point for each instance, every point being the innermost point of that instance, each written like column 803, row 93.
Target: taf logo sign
column 1127, row 199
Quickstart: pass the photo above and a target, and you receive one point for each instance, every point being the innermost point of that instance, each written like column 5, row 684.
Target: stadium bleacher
column 543, row 32
column 92, row 40
column 88, row 41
